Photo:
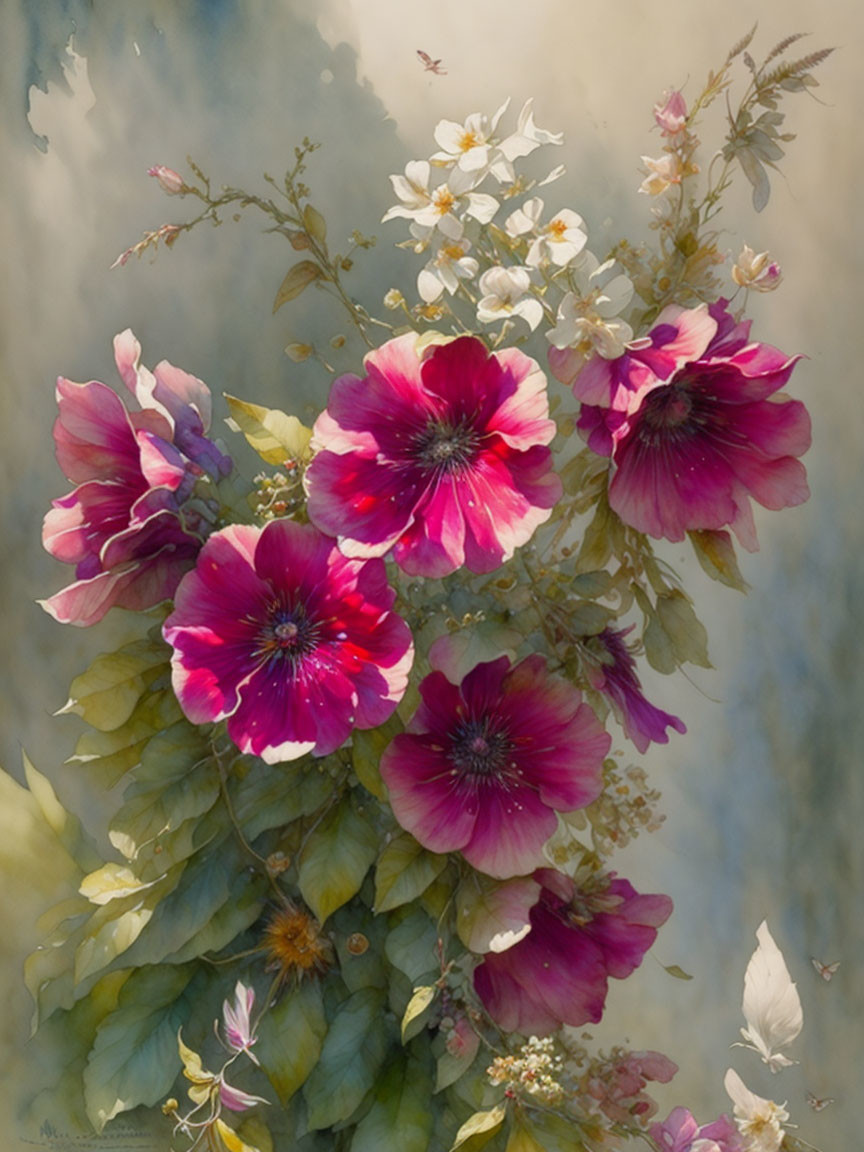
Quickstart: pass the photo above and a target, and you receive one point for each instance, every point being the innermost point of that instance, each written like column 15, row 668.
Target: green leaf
column 659, row 650
column 522, row 1140
column 335, row 859
column 716, row 553
column 452, row 1066
column 411, row 945
column 272, row 798
column 66, row 827
column 417, row 1005
column 597, row 542
column 106, row 694
column 400, row 1117
column 367, row 747
column 297, row 281
column 274, row 435
column 681, row 625
column 353, row 1053
column 479, row 1129
column 677, row 972
column 172, row 754
column 404, row 871
column 314, row 223
column 152, row 813
column 290, row 1038
column 134, row 1058
column 112, row 754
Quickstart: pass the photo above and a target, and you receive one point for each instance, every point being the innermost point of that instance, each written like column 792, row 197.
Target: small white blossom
column 504, row 292
column 586, row 318
column 758, row 272
column 561, row 240
column 467, row 146
column 449, row 265
column 662, row 173
column 437, row 208
column 522, row 142
column 759, row 1121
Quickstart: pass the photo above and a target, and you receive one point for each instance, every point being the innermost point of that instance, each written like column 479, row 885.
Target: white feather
column 771, row 1005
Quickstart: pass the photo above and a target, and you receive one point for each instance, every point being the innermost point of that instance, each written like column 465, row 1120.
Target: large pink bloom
column 558, row 973
column 443, row 459
column 290, row 640
column 125, row 527
column 485, row 765
column 613, row 673
column 693, row 426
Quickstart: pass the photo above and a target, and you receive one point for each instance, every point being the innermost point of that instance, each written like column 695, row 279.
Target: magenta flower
column 128, row 527
column 443, row 459
column 693, row 427
column 485, row 765
column 613, row 672
column 619, row 1084
column 558, row 973
column 288, row 639
column 679, row 1132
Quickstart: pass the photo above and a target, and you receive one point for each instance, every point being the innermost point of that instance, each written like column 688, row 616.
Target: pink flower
column 618, row 1085
column 614, row 674
column 235, row 1099
column 288, row 639
column 558, row 973
column 129, row 527
column 671, row 114
column 169, row 180
column 485, row 765
column 239, row 1033
column 693, row 427
column 443, row 459
column 679, row 1132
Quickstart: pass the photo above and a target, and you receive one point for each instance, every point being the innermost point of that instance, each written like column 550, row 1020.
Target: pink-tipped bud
column 756, row 271
column 169, row 180
column 671, row 114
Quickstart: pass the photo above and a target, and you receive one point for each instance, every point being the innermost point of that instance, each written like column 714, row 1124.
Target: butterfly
column 816, row 1104
column 431, row 65
column 826, row 971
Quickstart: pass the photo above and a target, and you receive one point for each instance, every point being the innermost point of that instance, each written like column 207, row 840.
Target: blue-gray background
column 764, row 796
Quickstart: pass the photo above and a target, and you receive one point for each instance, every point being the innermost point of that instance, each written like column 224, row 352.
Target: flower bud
column 671, row 115
column 169, row 180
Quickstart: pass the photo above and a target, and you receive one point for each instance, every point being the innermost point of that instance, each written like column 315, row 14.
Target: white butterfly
column 771, row 1005
column 826, row 971
column 816, row 1104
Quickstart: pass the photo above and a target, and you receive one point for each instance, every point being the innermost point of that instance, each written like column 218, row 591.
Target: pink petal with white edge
column 92, row 434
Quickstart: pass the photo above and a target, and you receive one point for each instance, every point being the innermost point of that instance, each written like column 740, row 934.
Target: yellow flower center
column 468, row 141
column 443, row 200
column 557, row 229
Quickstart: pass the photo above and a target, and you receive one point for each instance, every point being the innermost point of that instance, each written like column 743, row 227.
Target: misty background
column 765, row 795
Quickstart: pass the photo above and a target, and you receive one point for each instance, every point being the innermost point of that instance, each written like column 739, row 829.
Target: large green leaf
column 110, row 755
column 106, row 694
column 66, row 827
column 290, row 1038
column 134, row 1059
column 716, row 553
column 400, row 1116
column 268, row 797
column 151, row 812
column 351, row 1058
column 686, row 632
column 411, row 944
column 367, row 745
column 336, row 858
column 404, row 871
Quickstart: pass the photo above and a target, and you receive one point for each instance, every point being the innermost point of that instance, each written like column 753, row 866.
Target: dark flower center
column 289, row 634
column 666, row 412
column 479, row 748
column 443, row 447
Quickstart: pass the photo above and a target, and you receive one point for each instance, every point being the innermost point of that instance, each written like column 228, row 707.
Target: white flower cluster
column 524, row 270
column 535, row 1071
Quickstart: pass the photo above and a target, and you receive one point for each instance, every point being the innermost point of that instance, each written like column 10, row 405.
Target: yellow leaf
column 231, row 1142
column 314, row 223
column 521, row 1140
column 417, row 1005
column 297, row 281
column 479, row 1128
column 111, row 882
column 274, row 435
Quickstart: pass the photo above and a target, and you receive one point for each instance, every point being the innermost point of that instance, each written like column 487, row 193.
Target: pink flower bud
column 756, row 271
column 671, row 115
column 169, row 180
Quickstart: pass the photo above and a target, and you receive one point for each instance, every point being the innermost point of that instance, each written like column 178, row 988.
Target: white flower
column 586, row 318
column 759, row 1121
column 468, row 145
column 662, row 173
column 436, row 208
column 503, row 291
column 522, row 142
column 760, row 273
column 449, row 265
column 561, row 240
